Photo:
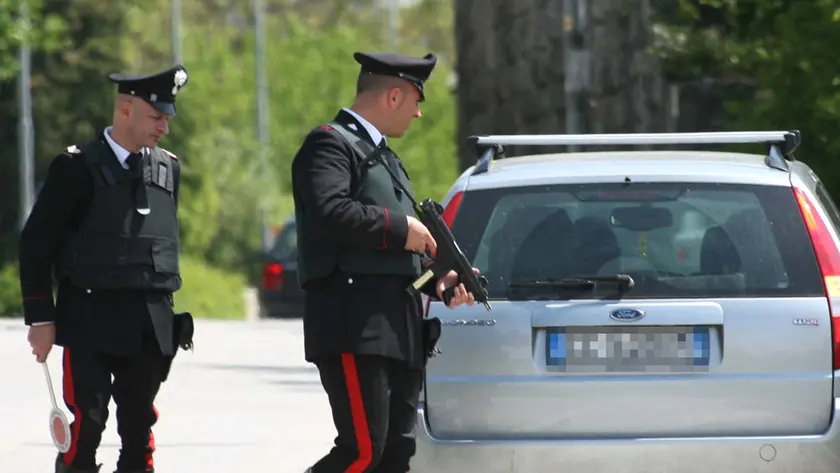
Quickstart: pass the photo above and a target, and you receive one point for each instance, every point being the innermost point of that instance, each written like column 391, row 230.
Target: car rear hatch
column 726, row 332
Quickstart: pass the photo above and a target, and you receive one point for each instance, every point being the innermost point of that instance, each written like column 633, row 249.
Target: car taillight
column 451, row 209
column 272, row 277
column 828, row 259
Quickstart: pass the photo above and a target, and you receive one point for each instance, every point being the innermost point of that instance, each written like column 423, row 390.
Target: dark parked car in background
column 279, row 293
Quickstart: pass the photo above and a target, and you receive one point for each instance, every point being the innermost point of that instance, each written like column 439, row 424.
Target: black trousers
column 374, row 406
column 88, row 389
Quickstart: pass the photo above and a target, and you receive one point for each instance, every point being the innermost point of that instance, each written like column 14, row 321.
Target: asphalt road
column 244, row 400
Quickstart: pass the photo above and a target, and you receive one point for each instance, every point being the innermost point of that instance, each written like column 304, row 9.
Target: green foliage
column 10, row 299
column 44, row 32
column 207, row 292
column 784, row 50
column 429, row 25
column 71, row 93
column 227, row 180
column 210, row 293
column 74, row 80
column 40, row 30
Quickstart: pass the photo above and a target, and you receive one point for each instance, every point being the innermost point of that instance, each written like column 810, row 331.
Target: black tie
column 134, row 161
column 392, row 162
column 141, row 200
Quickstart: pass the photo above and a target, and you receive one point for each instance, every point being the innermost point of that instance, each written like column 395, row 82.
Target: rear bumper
column 799, row 454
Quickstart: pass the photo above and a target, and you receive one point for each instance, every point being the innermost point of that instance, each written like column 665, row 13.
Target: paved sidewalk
column 243, row 401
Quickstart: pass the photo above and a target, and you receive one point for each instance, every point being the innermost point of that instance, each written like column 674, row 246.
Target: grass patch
column 10, row 299
column 207, row 293
column 210, row 293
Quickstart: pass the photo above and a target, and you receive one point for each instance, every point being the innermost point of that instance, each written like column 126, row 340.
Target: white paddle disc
column 59, row 425
column 60, row 430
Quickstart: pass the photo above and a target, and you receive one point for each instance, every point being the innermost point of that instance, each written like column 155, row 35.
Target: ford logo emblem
column 627, row 315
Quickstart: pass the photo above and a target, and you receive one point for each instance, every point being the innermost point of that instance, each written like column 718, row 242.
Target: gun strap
column 370, row 154
column 359, row 145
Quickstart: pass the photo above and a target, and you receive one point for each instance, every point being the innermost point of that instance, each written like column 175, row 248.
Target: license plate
column 623, row 349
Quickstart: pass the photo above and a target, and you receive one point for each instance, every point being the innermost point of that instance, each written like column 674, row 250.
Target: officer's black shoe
column 61, row 467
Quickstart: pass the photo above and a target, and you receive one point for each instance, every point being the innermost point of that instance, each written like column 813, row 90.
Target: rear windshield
column 285, row 245
column 674, row 239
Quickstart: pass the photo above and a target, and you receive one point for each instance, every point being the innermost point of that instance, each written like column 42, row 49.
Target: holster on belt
column 183, row 331
column 431, row 335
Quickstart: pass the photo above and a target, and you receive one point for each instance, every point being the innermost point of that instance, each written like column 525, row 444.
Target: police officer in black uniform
column 105, row 228
column 359, row 249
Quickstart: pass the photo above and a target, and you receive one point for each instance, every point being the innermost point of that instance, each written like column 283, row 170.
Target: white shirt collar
column 371, row 130
column 120, row 152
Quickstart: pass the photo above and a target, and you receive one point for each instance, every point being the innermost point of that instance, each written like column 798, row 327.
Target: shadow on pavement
column 161, row 444
column 297, row 382
column 264, row 368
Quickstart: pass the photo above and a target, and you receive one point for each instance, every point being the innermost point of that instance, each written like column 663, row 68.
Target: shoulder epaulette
column 325, row 127
column 73, row 149
column 170, row 154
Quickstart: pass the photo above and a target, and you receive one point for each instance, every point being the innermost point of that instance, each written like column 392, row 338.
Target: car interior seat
column 595, row 245
column 753, row 238
column 508, row 239
column 718, row 254
column 547, row 251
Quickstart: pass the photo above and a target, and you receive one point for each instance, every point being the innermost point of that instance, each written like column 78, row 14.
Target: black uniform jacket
column 113, row 322
column 365, row 314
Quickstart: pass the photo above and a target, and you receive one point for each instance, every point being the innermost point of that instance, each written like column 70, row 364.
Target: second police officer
column 359, row 248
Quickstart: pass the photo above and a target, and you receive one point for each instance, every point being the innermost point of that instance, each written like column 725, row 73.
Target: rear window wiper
column 624, row 282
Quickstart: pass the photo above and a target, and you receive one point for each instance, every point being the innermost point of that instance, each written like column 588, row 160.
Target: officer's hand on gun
column 420, row 240
column 461, row 296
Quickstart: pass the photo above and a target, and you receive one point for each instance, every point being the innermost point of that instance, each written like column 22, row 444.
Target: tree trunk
column 513, row 59
column 627, row 90
column 510, row 68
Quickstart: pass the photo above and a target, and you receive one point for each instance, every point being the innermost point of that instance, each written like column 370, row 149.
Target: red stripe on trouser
column 357, row 412
column 150, row 461
column 70, row 399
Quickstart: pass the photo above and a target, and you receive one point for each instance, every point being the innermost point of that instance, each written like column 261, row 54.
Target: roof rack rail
column 782, row 143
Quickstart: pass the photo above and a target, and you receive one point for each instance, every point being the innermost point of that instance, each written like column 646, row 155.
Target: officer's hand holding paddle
column 41, row 339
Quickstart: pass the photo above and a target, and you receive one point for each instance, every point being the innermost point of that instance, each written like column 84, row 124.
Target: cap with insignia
column 413, row 69
column 159, row 90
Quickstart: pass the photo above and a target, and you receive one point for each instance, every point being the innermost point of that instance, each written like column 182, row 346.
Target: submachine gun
column 449, row 256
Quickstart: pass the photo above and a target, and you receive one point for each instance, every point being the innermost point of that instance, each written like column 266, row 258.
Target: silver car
column 652, row 311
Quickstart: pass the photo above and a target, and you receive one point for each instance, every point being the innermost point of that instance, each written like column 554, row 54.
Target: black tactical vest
column 116, row 247
column 372, row 185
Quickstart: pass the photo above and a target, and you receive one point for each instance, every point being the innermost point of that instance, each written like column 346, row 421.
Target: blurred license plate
column 618, row 349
